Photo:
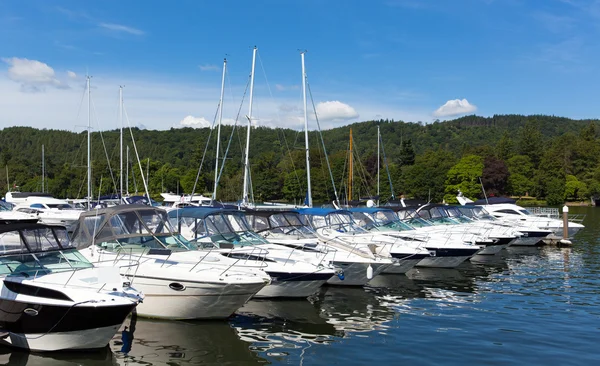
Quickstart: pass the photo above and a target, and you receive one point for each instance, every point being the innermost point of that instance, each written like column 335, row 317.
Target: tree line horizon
column 551, row 158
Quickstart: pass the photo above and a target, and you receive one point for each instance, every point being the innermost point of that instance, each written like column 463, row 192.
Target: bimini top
column 122, row 221
column 318, row 211
column 21, row 238
column 370, row 209
column 200, row 212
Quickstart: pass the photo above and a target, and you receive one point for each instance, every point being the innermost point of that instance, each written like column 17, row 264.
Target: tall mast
column 308, row 188
column 43, row 169
column 89, row 144
column 245, row 199
column 7, row 181
column 121, row 141
column 378, row 163
column 127, row 174
column 350, row 171
column 214, row 196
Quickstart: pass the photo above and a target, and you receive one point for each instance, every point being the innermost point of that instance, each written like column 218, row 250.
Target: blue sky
column 412, row 60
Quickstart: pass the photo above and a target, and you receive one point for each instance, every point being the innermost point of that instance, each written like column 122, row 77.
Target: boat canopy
column 120, row 222
column 20, row 238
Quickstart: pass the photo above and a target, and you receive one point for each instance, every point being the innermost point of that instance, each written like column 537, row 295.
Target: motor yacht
column 286, row 228
column 530, row 234
column 179, row 281
column 507, row 210
column 225, row 233
column 338, row 227
column 447, row 250
column 52, row 297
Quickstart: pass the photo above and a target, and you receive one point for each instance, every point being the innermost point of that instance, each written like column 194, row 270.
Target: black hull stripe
column 57, row 318
column 410, row 256
column 442, row 252
column 294, row 277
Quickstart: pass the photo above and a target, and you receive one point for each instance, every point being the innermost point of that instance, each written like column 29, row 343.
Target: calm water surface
column 531, row 306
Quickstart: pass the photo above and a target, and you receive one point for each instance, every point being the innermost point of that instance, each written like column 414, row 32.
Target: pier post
column 565, row 240
column 565, row 222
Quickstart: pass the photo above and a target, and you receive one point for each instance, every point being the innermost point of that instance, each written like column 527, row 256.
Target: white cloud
column 335, row 111
column 121, row 28
column 455, row 107
column 194, row 122
column 71, row 74
column 33, row 75
column 208, row 67
column 160, row 103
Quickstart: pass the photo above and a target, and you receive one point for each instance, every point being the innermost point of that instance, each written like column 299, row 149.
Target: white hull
column 290, row 289
column 402, row 266
column 198, row 300
column 82, row 339
column 355, row 274
column 442, row 262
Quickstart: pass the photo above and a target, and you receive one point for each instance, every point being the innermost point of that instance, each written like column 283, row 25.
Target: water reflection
column 182, row 342
column 16, row 357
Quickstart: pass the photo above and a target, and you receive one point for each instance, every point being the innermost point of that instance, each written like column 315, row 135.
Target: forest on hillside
column 550, row 158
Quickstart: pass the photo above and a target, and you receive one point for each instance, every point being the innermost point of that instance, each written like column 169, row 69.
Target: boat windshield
column 143, row 243
column 289, row 224
column 5, row 206
column 417, row 222
column 476, row 212
column 229, row 228
column 344, row 223
column 38, row 250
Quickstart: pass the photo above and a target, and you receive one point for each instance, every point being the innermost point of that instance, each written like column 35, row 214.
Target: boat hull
column 52, row 327
column 293, row 285
column 181, row 300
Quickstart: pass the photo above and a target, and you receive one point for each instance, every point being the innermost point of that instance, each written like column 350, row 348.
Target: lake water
column 531, row 306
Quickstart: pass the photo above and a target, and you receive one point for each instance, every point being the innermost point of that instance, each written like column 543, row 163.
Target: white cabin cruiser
column 490, row 238
column 447, row 250
column 338, row 226
column 286, row 228
column 505, row 209
column 52, row 298
column 530, row 234
column 225, row 233
column 179, row 282
column 49, row 210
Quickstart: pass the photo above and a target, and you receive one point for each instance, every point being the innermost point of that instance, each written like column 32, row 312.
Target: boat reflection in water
column 18, row 357
column 283, row 331
column 157, row 342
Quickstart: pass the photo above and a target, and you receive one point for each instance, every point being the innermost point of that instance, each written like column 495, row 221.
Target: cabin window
column 40, row 239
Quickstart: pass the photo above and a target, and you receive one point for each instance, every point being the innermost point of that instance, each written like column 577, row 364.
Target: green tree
column 464, row 176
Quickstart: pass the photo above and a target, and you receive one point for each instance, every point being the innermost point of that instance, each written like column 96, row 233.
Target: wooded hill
column 549, row 157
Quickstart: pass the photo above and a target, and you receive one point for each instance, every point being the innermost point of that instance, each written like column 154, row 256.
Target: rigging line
column 104, row 145
column 387, row 168
column 137, row 154
column 362, row 173
column 278, row 117
column 83, row 93
column 204, row 154
column 322, row 141
column 346, row 163
column 323, row 169
column 237, row 117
